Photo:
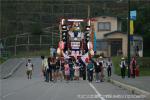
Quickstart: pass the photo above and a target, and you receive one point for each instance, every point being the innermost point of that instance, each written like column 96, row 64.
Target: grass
column 116, row 62
column 144, row 65
column 2, row 60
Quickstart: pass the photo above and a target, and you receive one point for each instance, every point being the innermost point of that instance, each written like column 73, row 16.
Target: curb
column 13, row 70
column 133, row 90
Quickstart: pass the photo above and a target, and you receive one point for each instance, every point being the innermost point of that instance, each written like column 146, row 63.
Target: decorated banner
column 131, row 27
column 90, row 45
column 133, row 15
column 85, row 58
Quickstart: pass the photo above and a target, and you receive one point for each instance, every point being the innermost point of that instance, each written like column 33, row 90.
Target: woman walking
column 67, row 71
column 97, row 70
column 54, row 69
column 77, row 70
column 50, row 68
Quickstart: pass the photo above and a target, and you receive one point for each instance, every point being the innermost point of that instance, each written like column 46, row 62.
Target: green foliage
column 2, row 60
column 144, row 65
column 36, row 29
column 116, row 62
column 142, row 23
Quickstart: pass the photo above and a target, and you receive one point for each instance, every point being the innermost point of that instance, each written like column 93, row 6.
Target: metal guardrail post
column 15, row 46
column 40, row 41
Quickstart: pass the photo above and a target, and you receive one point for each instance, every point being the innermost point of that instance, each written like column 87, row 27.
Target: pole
column 28, row 43
column 129, row 39
column 88, row 11
column 52, row 39
column 16, row 46
column 40, row 41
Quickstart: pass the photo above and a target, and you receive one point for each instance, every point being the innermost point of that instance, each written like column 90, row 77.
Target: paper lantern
column 91, row 52
column 58, row 51
column 90, row 45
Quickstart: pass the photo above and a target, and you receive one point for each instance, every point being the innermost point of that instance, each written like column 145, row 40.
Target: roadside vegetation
column 2, row 60
column 144, row 65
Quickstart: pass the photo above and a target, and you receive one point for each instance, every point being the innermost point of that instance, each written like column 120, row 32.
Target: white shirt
column 29, row 66
column 71, row 34
column 121, row 64
column 45, row 63
column 109, row 64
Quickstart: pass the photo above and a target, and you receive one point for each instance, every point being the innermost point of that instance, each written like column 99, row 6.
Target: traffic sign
column 133, row 15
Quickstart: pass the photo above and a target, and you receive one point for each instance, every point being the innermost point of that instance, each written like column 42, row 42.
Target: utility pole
column 89, row 11
column 129, row 39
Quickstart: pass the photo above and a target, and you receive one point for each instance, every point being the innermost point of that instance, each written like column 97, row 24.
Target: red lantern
column 58, row 51
column 90, row 45
column 61, row 45
column 91, row 52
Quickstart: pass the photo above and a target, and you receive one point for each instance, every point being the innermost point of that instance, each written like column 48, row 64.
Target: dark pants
column 84, row 75
column 71, row 74
column 90, row 75
column 109, row 71
column 133, row 72
column 123, row 70
column 48, row 75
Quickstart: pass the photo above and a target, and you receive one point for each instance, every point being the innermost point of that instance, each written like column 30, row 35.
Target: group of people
column 54, row 68
column 133, row 67
column 98, row 68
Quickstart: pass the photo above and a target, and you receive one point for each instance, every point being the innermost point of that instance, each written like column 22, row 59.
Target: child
column 67, row 71
column 76, row 74
column 29, row 69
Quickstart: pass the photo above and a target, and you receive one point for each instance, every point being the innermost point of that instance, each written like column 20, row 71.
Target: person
column 137, row 51
column 54, row 69
column 67, row 71
column 45, row 67
column 62, row 69
column 123, row 67
column 133, row 64
column 29, row 69
column 58, row 65
column 97, row 70
column 49, row 71
column 101, row 64
column 76, row 73
column 109, row 67
column 71, row 65
column 90, row 68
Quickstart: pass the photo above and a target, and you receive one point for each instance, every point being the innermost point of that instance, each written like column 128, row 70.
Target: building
column 110, row 40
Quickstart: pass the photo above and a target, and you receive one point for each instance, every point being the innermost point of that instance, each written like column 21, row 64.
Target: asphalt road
column 18, row 87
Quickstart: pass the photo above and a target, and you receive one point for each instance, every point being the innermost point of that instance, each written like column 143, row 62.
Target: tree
column 36, row 29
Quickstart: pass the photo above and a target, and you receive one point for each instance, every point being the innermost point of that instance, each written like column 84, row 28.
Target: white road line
column 98, row 94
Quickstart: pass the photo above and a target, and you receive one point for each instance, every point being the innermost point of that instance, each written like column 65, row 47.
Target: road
column 18, row 87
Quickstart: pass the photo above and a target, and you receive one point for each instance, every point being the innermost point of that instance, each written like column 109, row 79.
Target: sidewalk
column 9, row 67
column 141, row 82
column 138, row 85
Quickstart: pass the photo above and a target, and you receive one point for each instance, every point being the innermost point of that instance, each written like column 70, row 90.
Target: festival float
column 75, row 40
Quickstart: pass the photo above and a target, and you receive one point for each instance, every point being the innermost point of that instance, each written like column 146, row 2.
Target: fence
column 30, row 43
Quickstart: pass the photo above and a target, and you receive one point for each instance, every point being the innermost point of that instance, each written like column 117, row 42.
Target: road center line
column 98, row 94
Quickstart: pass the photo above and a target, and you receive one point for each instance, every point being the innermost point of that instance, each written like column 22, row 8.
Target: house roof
column 106, row 34
column 108, row 16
